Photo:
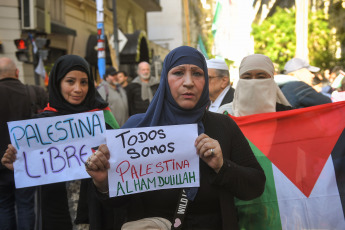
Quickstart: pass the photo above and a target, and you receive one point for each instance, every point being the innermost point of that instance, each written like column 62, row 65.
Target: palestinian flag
column 302, row 152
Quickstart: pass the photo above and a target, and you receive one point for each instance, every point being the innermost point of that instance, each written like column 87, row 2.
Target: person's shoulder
column 10, row 81
column 225, row 109
column 229, row 96
column 39, row 90
column 295, row 87
column 103, row 87
column 133, row 85
column 135, row 81
column 297, row 84
column 217, row 118
column 46, row 114
column 219, row 124
column 214, row 115
column 11, row 86
column 281, row 107
column 133, row 120
column 231, row 90
column 120, row 88
column 155, row 81
column 282, row 79
column 103, row 84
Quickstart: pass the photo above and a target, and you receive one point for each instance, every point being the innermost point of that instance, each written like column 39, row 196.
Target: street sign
column 122, row 40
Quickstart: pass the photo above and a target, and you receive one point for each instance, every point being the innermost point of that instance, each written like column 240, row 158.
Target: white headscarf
column 256, row 62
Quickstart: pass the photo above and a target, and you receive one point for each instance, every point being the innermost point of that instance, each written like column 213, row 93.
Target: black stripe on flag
column 338, row 157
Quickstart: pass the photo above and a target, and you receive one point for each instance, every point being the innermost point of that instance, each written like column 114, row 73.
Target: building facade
column 71, row 28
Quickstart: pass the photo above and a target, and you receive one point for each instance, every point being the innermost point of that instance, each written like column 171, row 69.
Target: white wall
column 232, row 40
column 165, row 27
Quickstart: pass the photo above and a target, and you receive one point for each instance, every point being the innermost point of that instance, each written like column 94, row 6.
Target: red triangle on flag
column 298, row 142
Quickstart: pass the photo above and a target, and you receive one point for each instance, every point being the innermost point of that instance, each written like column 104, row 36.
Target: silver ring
column 212, row 152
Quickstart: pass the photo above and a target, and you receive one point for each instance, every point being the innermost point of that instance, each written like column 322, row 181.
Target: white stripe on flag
column 322, row 210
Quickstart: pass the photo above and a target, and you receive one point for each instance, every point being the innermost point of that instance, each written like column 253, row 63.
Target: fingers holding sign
column 9, row 157
column 97, row 166
column 209, row 151
column 99, row 160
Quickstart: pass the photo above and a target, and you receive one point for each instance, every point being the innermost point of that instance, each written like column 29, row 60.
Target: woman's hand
column 209, row 151
column 9, row 157
column 97, row 166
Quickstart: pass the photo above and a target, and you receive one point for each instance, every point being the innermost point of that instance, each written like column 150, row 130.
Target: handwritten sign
column 152, row 158
column 54, row 149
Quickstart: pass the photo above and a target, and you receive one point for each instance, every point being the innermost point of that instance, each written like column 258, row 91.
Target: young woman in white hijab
column 256, row 91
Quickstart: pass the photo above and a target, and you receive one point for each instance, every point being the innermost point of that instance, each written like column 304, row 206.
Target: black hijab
column 62, row 66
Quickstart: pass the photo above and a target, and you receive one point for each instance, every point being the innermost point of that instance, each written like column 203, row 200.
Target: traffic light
column 23, row 53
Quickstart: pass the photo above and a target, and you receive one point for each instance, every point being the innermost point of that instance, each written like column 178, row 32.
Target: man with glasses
column 219, row 84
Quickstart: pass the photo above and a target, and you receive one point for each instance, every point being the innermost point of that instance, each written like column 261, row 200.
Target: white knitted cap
column 217, row 64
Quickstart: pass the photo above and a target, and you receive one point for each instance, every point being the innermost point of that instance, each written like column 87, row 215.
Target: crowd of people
column 191, row 90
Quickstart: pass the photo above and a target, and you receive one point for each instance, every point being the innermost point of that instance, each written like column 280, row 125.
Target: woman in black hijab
column 71, row 90
column 57, row 103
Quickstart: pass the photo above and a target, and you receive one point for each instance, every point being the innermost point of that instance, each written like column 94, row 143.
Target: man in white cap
column 256, row 91
column 219, row 84
column 300, row 93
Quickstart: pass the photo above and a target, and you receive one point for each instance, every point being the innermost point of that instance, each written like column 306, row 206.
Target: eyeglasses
column 211, row 77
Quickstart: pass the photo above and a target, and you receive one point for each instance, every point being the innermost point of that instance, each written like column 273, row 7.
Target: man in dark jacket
column 300, row 93
column 15, row 105
column 113, row 93
column 220, row 89
column 141, row 90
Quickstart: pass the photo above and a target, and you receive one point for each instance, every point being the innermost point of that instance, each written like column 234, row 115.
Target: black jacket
column 15, row 105
column 135, row 103
column 241, row 176
column 301, row 95
column 229, row 96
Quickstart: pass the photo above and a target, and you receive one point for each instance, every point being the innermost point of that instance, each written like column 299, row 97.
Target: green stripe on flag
column 262, row 212
column 202, row 47
column 215, row 18
column 110, row 119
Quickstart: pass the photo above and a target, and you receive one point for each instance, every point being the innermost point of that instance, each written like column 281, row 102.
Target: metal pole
column 116, row 37
column 302, row 29
column 186, row 14
column 100, row 38
column 34, row 59
column 37, row 77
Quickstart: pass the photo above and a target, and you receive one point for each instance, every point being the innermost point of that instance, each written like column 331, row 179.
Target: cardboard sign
column 54, row 149
column 152, row 158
